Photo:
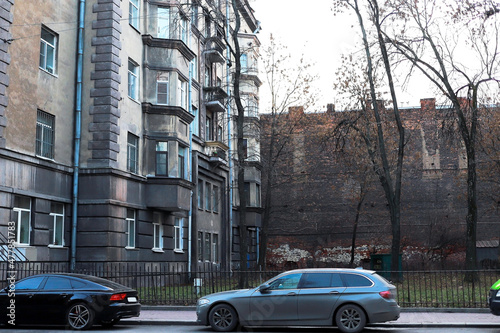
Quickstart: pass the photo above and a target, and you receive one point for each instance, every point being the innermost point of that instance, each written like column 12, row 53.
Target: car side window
column 356, row 280
column 57, row 283
column 30, row 284
column 317, row 280
column 290, row 281
column 79, row 284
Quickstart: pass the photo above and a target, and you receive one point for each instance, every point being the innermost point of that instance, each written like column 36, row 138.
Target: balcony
column 217, row 151
column 214, row 98
column 214, row 49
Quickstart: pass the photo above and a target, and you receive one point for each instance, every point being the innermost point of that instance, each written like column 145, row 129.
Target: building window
column 183, row 26
column 157, row 233
column 132, row 153
column 206, row 251
column 208, row 194
column 162, row 92
column 200, row 246
column 130, row 228
column 22, row 217
column 208, row 77
column 215, row 248
column 244, row 62
column 219, row 133
column 133, row 80
column 57, row 212
column 194, row 64
column 183, row 93
column 45, row 134
column 200, row 194
column 215, row 199
column 182, row 162
column 162, row 158
column 245, row 148
column 48, row 44
column 178, row 227
column 208, row 129
column 196, row 122
column 133, row 13
column 163, row 22
column 257, row 195
column 247, row 193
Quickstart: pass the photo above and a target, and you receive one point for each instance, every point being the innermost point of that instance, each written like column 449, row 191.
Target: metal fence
column 160, row 283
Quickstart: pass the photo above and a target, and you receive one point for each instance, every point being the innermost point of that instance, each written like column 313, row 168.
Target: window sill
column 178, row 251
column 52, row 246
column 158, row 250
column 131, row 248
column 21, row 245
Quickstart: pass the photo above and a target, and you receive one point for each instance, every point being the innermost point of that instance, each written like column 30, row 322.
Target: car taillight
column 118, row 297
column 386, row 294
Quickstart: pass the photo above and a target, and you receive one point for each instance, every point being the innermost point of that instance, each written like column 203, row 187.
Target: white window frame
column 178, row 234
column 163, row 83
column 131, row 227
column 163, row 22
column 183, row 94
column 183, row 29
column 21, row 211
column 47, row 47
column 157, row 237
column 215, row 248
column 58, row 217
column 133, row 12
column 133, row 80
column 132, row 153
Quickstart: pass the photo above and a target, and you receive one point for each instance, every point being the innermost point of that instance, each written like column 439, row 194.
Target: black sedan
column 75, row 300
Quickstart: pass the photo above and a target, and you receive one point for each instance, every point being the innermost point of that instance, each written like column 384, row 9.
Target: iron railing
column 160, row 283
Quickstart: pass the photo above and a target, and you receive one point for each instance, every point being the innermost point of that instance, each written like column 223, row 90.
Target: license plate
column 132, row 299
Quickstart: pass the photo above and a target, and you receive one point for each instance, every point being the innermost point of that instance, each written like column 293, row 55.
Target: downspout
column 190, row 167
column 229, row 141
column 78, row 127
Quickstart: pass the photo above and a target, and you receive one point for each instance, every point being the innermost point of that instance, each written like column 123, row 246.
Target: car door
column 54, row 296
column 277, row 305
column 319, row 292
column 27, row 310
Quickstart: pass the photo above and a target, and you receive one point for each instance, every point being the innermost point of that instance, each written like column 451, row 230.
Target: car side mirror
column 264, row 288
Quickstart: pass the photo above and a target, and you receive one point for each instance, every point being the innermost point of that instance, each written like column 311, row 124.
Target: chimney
column 330, row 108
column 428, row 104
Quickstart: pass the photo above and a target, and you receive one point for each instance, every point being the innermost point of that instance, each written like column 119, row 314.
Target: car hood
column 224, row 294
column 496, row 286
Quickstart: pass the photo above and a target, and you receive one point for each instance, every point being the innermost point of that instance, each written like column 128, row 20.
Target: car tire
column 350, row 318
column 223, row 318
column 80, row 316
column 109, row 323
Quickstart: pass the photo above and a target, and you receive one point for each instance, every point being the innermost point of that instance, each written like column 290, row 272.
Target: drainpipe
column 190, row 168
column 78, row 126
column 229, row 141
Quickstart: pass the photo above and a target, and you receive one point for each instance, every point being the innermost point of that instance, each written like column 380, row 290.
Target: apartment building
column 117, row 130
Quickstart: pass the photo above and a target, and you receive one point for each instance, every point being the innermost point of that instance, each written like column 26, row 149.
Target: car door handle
column 291, row 294
column 333, row 292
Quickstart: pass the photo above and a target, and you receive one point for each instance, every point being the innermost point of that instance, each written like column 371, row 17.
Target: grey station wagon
column 346, row 298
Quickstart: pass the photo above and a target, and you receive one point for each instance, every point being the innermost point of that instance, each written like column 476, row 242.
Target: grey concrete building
column 117, row 134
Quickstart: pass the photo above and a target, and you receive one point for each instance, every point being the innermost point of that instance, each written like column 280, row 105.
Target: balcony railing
column 217, row 151
column 214, row 49
column 215, row 98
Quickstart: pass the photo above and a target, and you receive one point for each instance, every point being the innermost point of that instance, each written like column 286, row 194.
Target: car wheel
column 350, row 318
column 80, row 316
column 109, row 323
column 223, row 318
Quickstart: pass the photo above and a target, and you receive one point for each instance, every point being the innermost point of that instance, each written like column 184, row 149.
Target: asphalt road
column 193, row 329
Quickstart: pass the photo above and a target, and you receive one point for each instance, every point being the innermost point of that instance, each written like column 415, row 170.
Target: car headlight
column 203, row 301
column 498, row 293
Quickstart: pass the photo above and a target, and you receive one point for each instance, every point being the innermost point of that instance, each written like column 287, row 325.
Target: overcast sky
column 313, row 30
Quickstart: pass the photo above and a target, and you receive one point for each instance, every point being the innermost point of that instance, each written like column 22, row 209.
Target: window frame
column 55, row 216
column 215, row 248
column 215, row 198
column 178, row 235
column 133, row 13
column 44, row 44
column 133, row 80
column 163, row 30
column 157, row 237
column 208, row 196
column 20, row 211
column 164, row 82
column 158, row 153
column 131, row 228
column 132, row 153
column 182, row 157
column 45, row 134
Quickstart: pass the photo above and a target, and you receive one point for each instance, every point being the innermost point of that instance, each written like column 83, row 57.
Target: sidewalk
column 167, row 315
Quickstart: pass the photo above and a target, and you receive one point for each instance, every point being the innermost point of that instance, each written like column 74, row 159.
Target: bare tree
column 424, row 43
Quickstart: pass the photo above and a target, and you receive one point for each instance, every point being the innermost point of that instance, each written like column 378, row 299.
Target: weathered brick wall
column 315, row 208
